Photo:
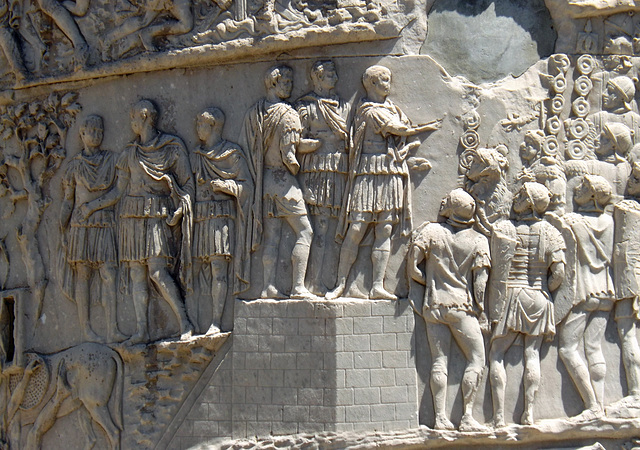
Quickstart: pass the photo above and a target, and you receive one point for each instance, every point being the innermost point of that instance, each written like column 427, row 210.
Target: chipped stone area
column 545, row 434
column 158, row 377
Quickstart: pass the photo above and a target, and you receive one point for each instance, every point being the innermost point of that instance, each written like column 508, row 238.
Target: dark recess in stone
column 485, row 40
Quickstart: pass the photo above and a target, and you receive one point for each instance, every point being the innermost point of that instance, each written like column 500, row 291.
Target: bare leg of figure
column 468, row 336
column 439, row 338
column 12, row 54
column 108, row 275
column 82, row 303
column 219, row 291
column 570, row 333
column 300, row 254
column 531, row 376
column 627, row 331
column 379, row 259
column 593, row 336
column 68, row 26
column 348, row 256
column 320, row 227
column 168, row 288
column 183, row 23
column 271, row 239
column 140, row 296
column 498, row 375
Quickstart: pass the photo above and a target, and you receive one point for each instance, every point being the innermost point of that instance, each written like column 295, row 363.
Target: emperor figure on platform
column 378, row 190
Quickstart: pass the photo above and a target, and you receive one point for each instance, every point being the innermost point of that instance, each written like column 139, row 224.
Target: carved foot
column 116, row 336
column 318, row 289
column 588, row 415
column 625, row 408
column 380, row 293
column 469, row 424
column 81, row 57
column 301, row 292
column 527, row 418
column 138, row 338
column 337, row 292
column 186, row 330
column 147, row 42
column 498, row 421
column 271, row 292
column 92, row 336
column 213, row 329
column 442, row 423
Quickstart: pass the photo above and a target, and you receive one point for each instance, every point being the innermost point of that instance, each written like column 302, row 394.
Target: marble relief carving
column 303, row 183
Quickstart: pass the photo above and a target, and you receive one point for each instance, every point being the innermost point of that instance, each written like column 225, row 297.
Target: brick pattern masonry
column 304, row 367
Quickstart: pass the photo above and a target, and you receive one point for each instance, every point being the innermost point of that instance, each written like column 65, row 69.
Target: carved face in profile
column 583, row 193
column 633, row 185
column 138, row 120
column 611, row 98
column 381, row 84
column 528, row 150
column 522, row 202
column 328, row 77
column 91, row 136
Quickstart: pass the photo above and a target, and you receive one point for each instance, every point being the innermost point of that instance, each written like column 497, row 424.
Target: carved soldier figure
column 272, row 133
column 224, row 196
column 324, row 171
column 90, row 244
column 591, row 242
column 626, row 271
column 617, row 107
column 541, row 166
column 616, row 142
column 378, row 191
column 535, row 262
column 455, row 278
column 151, row 172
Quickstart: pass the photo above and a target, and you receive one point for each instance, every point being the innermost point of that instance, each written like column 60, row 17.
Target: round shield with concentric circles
column 583, row 85
column 559, row 84
column 578, row 129
column 576, row 149
column 553, row 125
column 580, row 107
column 557, row 104
column 551, row 146
column 585, row 64
column 470, row 139
column 471, row 120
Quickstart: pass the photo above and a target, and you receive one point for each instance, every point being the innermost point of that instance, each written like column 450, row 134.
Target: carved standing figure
column 222, row 219
column 591, row 242
column 457, row 262
column 535, row 262
column 155, row 184
column 378, row 190
column 626, row 271
column 324, row 171
column 90, row 244
column 272, row 134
